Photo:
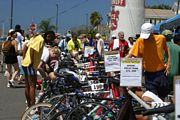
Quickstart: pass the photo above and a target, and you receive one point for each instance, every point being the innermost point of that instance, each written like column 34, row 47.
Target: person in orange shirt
column 151, row 48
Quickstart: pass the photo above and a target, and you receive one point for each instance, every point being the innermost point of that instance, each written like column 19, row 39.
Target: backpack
column 6, row 47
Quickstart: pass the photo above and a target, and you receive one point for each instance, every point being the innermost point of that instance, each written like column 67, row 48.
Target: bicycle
column 62, row 104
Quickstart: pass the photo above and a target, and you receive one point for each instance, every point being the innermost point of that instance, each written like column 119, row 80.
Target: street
column 12, row 100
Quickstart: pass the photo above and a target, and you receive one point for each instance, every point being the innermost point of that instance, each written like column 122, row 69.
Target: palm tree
column 45, row 25
column 95, row 19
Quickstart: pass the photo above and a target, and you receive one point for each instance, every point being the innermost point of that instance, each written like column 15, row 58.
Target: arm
column 24, row 50
column 101, row 47
column 15, row 44
column 168, row 62
column 31, row 56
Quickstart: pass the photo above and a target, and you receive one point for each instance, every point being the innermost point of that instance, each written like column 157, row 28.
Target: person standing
column 111, row 42
column 100, row 46
column 120, row 44
column 151, row 49
column 21, row 41
column 31, row 59
column 10, row 58
column 74, row 46
column 175, row 57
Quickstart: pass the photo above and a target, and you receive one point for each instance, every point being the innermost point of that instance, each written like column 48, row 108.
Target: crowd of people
column 39, row 53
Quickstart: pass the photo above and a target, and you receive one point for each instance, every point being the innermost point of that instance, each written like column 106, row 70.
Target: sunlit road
column 12, row 100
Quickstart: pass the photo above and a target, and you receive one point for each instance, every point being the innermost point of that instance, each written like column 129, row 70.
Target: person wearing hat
column 151, row 49
column 10, row 58
column 175, row 57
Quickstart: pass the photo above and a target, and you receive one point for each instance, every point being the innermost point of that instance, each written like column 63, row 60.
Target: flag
column 119, row 3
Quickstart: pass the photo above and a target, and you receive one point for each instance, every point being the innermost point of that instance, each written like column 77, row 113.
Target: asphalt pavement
column 12, row 100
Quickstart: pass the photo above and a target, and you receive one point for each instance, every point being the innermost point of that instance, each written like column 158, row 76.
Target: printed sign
column 131, row 72
column 112, row 61
column 119, row 2
column 88, row 51
column 177, row 97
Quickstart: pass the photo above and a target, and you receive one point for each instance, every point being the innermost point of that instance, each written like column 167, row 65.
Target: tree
column 45, row 25
column 161, row 6
column 95, row 19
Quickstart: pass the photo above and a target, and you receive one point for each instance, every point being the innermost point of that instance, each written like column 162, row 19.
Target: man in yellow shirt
column 31, row 59
column 151, row 48
column 74, row 46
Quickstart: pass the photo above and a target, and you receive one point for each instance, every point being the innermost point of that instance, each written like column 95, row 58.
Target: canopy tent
column 172, row 24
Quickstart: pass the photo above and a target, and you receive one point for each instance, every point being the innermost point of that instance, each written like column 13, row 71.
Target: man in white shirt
column 100, row 45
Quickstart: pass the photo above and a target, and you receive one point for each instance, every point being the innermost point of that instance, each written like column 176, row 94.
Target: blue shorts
column 157, row 82
column 29, row 71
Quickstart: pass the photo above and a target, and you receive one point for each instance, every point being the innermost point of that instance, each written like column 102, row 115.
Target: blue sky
column 72, row 13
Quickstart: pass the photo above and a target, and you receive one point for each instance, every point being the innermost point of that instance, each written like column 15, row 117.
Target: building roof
column 159, row 13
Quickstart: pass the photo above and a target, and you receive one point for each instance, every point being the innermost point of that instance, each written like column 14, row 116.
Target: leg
column 30, row 84
column 27, row 90
column 32, row 88
column 16, row 71
column 8, row 72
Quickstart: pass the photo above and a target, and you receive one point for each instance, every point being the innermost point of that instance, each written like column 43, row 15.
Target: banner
column 112, row 61
column 131, row 72
column 88, row 51
column 119, row 3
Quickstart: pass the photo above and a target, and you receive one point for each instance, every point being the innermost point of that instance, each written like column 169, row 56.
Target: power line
column 75, row 6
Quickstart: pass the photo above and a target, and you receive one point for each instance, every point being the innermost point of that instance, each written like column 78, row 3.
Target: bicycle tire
column 54, row 99
column 90, row 111
column 41, row 108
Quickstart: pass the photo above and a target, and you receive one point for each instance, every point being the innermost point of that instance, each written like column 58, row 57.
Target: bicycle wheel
column 91, row 111
column 40, row 111
column 55, row 99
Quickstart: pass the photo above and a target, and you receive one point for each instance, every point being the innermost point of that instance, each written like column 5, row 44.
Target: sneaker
column 10, row 84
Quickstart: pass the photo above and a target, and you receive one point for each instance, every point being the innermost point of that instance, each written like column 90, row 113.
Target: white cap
column 11, row 30
column 146, row 30
column 98, row 35
column 113, row 35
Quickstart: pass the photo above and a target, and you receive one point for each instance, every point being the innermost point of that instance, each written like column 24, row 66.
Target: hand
column 47, row 68
column 167, row 69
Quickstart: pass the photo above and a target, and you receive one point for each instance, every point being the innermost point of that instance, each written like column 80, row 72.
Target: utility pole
column 11, row 15
column 57, row 17
column 87, row 17
column 177, row 7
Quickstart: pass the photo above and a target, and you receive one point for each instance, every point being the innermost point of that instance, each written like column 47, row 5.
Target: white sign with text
column 112, row 61
column 131, row 72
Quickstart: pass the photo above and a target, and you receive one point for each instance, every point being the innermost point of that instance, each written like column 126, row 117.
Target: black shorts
column 10, row 59
column 157, row 82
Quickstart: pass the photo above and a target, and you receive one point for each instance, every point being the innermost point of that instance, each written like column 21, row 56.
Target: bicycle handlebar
column 165, row 109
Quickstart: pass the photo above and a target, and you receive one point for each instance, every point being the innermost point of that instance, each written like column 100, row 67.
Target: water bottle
column 44, row 85
column 35, row 117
